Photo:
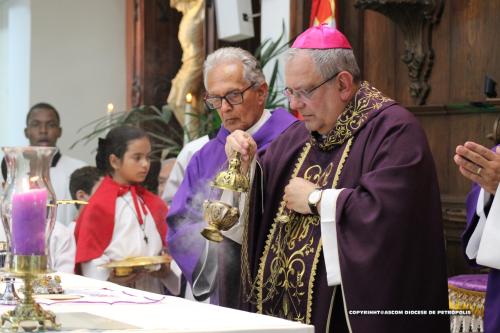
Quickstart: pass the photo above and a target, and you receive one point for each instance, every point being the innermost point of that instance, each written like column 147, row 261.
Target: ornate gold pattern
column 366, row 99
column 218, row 214
column 316, row 175
column 284, row 217
column 290, row 244
column 284, row 283
column 232, row 179
column 463, row 299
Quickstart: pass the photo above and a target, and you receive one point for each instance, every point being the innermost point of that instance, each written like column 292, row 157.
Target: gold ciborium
column 28, row 216
column 221, row 211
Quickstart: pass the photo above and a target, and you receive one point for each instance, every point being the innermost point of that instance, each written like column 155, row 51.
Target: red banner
column 323, row 11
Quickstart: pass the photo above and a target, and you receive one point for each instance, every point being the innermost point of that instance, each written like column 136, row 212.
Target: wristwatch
column 313, row 200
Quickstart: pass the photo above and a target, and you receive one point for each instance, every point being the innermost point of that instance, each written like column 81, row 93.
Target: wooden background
column 466, row 48
column 464, row 42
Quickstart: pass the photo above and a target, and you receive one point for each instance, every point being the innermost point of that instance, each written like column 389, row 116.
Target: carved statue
column 189, row 76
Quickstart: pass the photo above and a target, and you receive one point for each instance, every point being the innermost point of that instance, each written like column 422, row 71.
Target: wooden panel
column 134, row 52
column 446, row 127
column 449, row 126
column 153, row 59
column 351, row 23
column 300, row 12
column 474, row 41
column 464, row 46
column 153, row 51
column 379, row 52
column 440, row 75
column 435, row 128
column 162, row 51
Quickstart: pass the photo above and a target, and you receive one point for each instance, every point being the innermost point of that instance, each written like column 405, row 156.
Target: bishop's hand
column 297, row 194
column 243, row 143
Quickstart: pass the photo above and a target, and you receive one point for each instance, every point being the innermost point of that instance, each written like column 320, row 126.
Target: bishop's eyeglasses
column 305, row 94
column 232, row 98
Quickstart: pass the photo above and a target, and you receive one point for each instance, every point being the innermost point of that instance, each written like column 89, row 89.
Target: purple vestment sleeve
column 185, row 217
column 492, row 304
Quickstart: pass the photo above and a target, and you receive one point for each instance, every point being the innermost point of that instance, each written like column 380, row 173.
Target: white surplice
column 62, row 247
column 483, row 243
column 128, row 241
column 59, row 177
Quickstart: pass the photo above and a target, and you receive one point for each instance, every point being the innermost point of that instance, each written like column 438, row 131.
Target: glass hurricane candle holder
column 28, row 215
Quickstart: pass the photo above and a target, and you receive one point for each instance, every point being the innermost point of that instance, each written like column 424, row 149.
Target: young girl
column 122, row 219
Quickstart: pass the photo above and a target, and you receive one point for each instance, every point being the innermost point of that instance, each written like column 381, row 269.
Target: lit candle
column 188, row 111
column 111, row 108
column 28, row 222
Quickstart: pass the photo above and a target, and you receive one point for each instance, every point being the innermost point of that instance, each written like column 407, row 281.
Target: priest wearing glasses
column 344, row 226
column 237, row 90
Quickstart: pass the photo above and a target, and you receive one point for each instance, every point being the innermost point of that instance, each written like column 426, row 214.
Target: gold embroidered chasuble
column 284, row 285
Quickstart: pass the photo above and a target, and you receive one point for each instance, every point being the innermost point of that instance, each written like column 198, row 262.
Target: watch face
column 314, row 197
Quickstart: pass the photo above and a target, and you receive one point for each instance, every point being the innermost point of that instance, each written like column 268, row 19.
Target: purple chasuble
column 492, row 303
column 185, row 216
column 388, row 223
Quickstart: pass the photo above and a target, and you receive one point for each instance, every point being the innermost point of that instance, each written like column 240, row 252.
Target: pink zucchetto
column 321, row 37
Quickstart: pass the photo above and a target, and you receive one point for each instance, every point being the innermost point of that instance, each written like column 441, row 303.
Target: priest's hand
column 479, row 164
column 297, row 195
column 242, row 142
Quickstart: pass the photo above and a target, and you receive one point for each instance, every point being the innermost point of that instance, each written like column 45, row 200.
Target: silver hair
column 330, row 61
column 252, row 72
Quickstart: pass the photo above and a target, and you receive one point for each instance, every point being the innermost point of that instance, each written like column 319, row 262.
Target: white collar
column 263, row 118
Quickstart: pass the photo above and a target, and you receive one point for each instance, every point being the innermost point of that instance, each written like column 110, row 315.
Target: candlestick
column 28, row 215
column 28, row 222
column 188, row 111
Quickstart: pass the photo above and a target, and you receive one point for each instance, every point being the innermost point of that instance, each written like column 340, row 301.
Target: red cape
column 94, row 227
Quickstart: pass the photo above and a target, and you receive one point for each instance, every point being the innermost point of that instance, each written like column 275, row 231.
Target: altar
column 89, row 304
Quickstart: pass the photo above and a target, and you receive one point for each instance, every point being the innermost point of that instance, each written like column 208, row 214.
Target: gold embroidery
column 313, row 173
column 323, row 180
column 356, row 112
column 289, row 244
column 258, row 283
column 316, row 175
column 340, row 167
column 285, row 277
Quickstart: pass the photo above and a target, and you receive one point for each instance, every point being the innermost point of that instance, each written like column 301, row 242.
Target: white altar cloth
column 154, row 313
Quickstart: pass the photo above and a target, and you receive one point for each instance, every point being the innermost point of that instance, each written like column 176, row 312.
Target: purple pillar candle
column 28, row 222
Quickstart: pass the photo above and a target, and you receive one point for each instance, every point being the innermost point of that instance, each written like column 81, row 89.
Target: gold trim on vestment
column 329, row 320
column 296, row 221
column 260, row 273
column 291, row 246
column 356, row 112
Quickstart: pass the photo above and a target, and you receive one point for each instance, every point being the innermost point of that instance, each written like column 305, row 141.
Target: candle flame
column 111, row 108
column 24, row 185
column 189, row 98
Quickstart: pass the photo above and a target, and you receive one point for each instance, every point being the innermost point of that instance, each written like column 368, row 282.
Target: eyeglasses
column 305, row 94
column 232, row 98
